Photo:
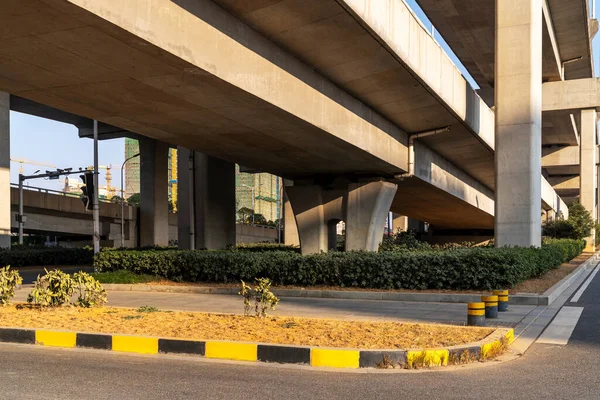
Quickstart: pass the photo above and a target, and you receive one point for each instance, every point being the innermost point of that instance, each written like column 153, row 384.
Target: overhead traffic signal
column 88, row 190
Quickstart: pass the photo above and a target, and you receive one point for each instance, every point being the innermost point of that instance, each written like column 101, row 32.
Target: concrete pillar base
column 5, row 170
column 290, row 230
column 362, row 206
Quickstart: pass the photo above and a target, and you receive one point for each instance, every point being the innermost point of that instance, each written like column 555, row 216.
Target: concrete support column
column 518, row 101
column 399, row 223
column 212, row 203
column 362, row 206
column 290, row 229
column 154, row 193
column 307, row 205
column 4, row 170
column 367, row 207
column 550, row 215
column 587, row 175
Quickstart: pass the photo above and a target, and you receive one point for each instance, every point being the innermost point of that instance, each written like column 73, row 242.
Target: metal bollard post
column 502, row 299
column 491, row 306
column 476, row 314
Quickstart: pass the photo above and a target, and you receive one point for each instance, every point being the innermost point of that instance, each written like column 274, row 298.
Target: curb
column 487, row 348
column 547, row 298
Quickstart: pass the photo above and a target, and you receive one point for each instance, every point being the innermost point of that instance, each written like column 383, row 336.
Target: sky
column 50, row 142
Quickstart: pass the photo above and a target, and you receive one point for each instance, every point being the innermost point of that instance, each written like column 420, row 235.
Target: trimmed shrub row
column 22, row 256
column 459, row 269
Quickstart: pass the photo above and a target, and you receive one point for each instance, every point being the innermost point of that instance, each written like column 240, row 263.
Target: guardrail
column 52, row 191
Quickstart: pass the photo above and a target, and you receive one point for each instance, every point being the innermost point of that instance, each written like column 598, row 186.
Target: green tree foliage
column 134, row 200
column 578, row 226
column 582, row 221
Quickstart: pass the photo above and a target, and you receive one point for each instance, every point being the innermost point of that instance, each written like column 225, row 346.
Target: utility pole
column 96, row 209
column 21, row 217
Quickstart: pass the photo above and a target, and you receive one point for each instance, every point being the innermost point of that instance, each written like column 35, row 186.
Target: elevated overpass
column 376, row 115
column 63, row 215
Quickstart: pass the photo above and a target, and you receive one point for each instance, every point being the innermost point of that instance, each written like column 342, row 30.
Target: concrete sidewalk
column 380, row 310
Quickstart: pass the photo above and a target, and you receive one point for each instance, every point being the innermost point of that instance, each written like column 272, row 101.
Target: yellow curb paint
column 232, row 351
column 427, row 358
column 56, row 339
column 334, row 358
column 134, row 344
column 510, row 336
column 490, row 349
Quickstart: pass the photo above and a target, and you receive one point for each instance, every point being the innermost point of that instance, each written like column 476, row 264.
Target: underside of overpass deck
column 244, row 81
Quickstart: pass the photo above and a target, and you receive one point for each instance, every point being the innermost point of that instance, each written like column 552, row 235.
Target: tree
column 134, row 200
column 116, row 199
column 582, row 221
column 245, row 215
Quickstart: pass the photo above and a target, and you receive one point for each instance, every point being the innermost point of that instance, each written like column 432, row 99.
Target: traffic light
column 88, row 190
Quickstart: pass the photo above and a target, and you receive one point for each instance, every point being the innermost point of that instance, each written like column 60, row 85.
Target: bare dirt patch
column 276, row 330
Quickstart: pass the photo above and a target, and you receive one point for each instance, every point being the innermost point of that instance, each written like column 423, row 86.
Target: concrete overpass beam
column 588, row 168
column 154, row 204
column 367, row 207
column 4, row 170
column 518, row 94
column 212, row 204
column 575, row 94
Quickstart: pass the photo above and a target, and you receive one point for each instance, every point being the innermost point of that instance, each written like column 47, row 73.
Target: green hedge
column 23, row 256
column 461, row 269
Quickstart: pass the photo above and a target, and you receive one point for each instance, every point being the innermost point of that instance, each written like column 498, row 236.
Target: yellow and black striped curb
column 490, row 347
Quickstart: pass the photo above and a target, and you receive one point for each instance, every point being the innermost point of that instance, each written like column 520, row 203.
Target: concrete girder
column 132, row 66
column 573, row 95
column 380, row 53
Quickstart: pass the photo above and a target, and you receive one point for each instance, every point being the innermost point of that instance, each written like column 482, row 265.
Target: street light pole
column 123, row 201
column 21, row 180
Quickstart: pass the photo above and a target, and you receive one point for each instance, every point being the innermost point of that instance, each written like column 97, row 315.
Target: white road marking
column 561, row 329
column 579, row 293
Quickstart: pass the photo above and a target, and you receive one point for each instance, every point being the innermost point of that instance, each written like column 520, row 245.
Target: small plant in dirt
column 9, row 280
column 90, row 292
column 52, row 290
column 147, row 309
column 261, row 296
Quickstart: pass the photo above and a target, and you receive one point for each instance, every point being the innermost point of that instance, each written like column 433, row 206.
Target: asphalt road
column 28, row 372
column 544, row 372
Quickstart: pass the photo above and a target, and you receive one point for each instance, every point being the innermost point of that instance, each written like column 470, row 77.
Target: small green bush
column 463, row 268
column 124, row 276
column 559, row 229
column 52, row 290
column 90, row 292
column 9, row 280
column 25, row 256
column 262, row 296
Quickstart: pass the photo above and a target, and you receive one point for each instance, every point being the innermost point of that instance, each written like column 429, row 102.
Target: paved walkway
column 306, row 307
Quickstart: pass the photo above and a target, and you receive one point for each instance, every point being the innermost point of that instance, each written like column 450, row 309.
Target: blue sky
column 51, row 142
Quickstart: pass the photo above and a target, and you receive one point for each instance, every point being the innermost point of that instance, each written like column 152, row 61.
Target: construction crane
column 23, row 161
column 110, row 190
